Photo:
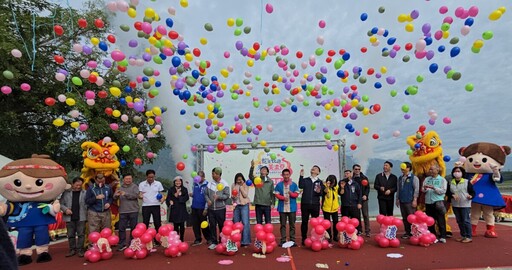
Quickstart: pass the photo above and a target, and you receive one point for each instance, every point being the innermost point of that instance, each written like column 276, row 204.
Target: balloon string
column 34, row 50
column 261, row 22
column 18, row 31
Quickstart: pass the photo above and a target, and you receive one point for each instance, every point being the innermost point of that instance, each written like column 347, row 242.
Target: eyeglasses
column 357, row 169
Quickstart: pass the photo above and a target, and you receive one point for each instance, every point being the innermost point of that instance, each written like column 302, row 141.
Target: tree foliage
column 25, row 118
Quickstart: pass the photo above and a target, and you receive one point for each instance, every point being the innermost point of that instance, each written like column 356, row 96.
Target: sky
column 480, row 115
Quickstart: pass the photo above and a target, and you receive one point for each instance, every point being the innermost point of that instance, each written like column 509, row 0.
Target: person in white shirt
column 150, row 191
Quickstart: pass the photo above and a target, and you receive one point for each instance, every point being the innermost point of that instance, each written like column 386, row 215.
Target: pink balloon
column 354, row 222
column 146, row 238
column 238, row 226
column 443, row 9
column 183, row 247
column 308, row 242
column 141, row 225
column 106, row 255
column 316, row 246
column 137, row 233
column 270, row 238
column 129, row 253
column 268, row 228
column 350, row 229
column 269, row 8
column 94, row 236
column 430, row 221
column 355, row 245
column 380, row 218
column 325, row 244
column 261, row 235
column 438, row 34
column 237, row 237
column 25, row 87
column 94, row 256
column 226, row 230
column 394, row 243
column 473, row 11
column 321, row 24
column 414, row 240
column 319, row 229
column 459, row 12
column 141, row 254
column 113, row 240
column 228, row 223
column 117, row 55
column 383, row 242
column 411, row 219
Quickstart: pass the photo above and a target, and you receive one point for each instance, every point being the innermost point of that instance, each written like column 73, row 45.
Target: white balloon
column 90, row 102
column 61, row 98
column 107, row 139
column 74, row 113
column 16, row 53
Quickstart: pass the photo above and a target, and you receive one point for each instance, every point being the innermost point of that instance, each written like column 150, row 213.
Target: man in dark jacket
column 351, row 198
column 311, row 193
column 385, row 184
column 362, row 180
column 99, row 199
column 199, row 209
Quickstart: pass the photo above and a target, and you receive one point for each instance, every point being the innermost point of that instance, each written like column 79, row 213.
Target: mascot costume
column 482, row 163
column 31, row 186
column 426, row 151
column 101, row 158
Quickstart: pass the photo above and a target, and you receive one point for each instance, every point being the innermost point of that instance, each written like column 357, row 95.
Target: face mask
column 457, row 174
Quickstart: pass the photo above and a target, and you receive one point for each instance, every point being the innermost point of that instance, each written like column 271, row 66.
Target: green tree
column 33, row 28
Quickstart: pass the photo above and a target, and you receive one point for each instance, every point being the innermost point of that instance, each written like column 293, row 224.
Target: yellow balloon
column 250, row 62
column 402, row 18
column 204, row 224
column 328, row 117
column 75, row 124
column 211, row 115
column 409, row 27
column 215, row 122
column 478, row 43
column 223, row 86
column 151, row 121
column 365, row 130
column 366, row 111
column 263, row 143
column 263, row 54
column 403, row 166
column 220, row 187
column 116, row 113
column 276, row 91
column 252, row 51
column 383, row 70
column 149, row 12
column 327, row 106
column 203, row 41
column 70, row 101
column 129, row 99
column 188, row 127
column 184, row 3
column 231, row 22
column 132, row 12
column 335, row 147
column 58, row 122
column 95, row 41
column 502, row 9
column 152, row 81
column 495, row 15
column 189, row 57
column 257, row 180
column 210, row 107
column 354, row 102
column 446, row 34
column 235, row 86
column 224, row 72
column 373, row 39
column 201, row 115
column 223, row 134
column 244, row 132
column 156, row 111
column 154, row 130
column 134, row 130
column 248, row 93
column 149, row 114
column 115, row 91
column 152, row 40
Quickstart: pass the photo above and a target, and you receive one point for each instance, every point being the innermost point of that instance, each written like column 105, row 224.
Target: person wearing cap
column 74, row 209
column 385, row 184
column 263, row 194
column 99, row 198
column 150, row 191
column 176, row 201
column 407, row 195
column 128, row 195
column 216, row 195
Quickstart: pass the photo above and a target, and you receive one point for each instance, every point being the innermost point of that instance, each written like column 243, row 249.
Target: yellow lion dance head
column 100, row 158
column 425, row 150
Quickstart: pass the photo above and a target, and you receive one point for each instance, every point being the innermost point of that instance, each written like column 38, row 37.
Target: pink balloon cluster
column 230, row 238
column 265, row 239
column 142, row 242
column 318, row 239
column 348, row 233
column 419, row 229
column 101, row 242
column 388, row 229
column 170, row 239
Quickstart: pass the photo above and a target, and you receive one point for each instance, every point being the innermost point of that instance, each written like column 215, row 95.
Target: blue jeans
column 263, row 210
column 463, row 220
column 241, row 213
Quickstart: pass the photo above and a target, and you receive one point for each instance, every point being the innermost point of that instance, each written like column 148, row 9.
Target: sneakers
column 436, row 241
column 121, row 248
column 442, row 240
column 467, row 240
column 196, row 243
column 459, row 239
column 81, row 253
column 212, row 246
column 294, row 245
column 405, row 236
column 71, row 253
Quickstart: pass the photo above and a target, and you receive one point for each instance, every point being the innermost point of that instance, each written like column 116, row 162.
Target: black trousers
column 152, row 210
column 307, row 210
column 198, row 218
column 216, row 219
column 333, row 232
column 386, row 207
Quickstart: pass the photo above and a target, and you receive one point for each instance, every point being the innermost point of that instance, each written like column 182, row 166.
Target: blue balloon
column 323, row 80
column 302, row 129
column 340, row 74
column 176, row 92
column 391, row 40
column 441, row 48
column 213, row 78
column 181, row 52
column 346, row 56
column 248, row 183
column 213, row 87
column 123, row 162
column 364, row 16
column 159, row 196
column 469, row 21
column 158, row 83
column 283, row 147
column 351, row 130
column 128, row 89
column 378, row 85
column 195, row 74
column 447, row 158
column 186, row 95
column 433, row 68
column 454, row 51
column 374, row 30
column 215, row 110
column 176, row 61
column 122, row 101
column 145, row 79
column 348, row 126
column 169, row 22
column 163, row 56
column 428, row 40
column 386, row 33
column 183, row 112
column 204, row 94
column 294, row 108
column 103, row 46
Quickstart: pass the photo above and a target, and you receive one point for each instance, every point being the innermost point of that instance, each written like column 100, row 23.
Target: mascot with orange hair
column 101, row 158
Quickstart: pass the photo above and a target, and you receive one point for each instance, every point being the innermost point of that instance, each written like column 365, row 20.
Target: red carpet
column 482, row 253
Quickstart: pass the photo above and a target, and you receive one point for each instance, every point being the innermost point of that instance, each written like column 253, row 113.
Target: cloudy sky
column 480, row 115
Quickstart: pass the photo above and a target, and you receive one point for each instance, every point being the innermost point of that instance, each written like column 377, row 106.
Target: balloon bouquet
column 230, row 238
column 348, row 233
column 265, row 241
column 419, row 229
column 101, row 242
column 170, row 239
column 388, row 229
column 318, row 239
column 142, row 242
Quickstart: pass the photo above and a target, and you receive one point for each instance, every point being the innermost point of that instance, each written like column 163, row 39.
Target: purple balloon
column 208, row 122
column 107, row 63
column 407, row 116
column 239, row 45
column 220, row 94
column 415, row 14
column 346, row 89
column 210, row 148
column 392, row 53
column 133, row 43
column 426, row 28
column 257, row 56
column 249, row 139
column 325, row 129
column 63, row 71
column 173, row 70
column 329, row 146
column 244, row 51
column 378, row 75
column 355, row 69
column 288, row 85
column 323, row 69
column 390, row 80
column 447, row 69
column 209, row 129
column 255, row 131
column 138, row 106
column 197, row 179
column 86, row 50
column 431, row 121
column 236, row 118
column 179, row 84
column 430, row 54
column 182, row 45
column 353, row 116
column 146, row 57
column 310, row 78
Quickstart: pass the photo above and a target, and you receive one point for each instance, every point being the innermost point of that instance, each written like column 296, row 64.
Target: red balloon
column 270, row 249
column 49, row 101
column 422, row 128
column 108, row 111
column 106, row 255
column 325, row 244
column 425, row 239
column 105, row 233
column 313, row 222
column 137, row 25
column 299, row 54
column 353, row 147
column 111, row 38
column 261, row 235
column 397, row 222
column 226, row 230
column 228, row 223
column 345, row 219
column 270, row 237
column 319, row 229
column 384, row 242
column 316, row 246
column 238, row 226
column 376, row 107
column 82, row 23
column 256, row 46
column 364, row 49
column 340, row 226
column 364, row 182
column 99, row 23
column 220, row 146
column 94, row 236
column 430, row 221
column 141, row 254
column 137, row 233
column 183, row 247
column 394, row 243
column 180, row 166
column 151, row 231
column 196, row 52
column 350, row 229
column 355, row 245
column 237, row 237
column 146, row 238
column 58, row 30
column 375, row 136
column 173, row 34
column 102, row 94
column 408, row 46
column 129, row 253
column 326, row 224
column 233, row 146
column 258, row 227
column 308, row 242
column 94, row 256
column 268, row 228
column 220, row 248
column 234, row 192
column 58, row 59
column 141, row 226
column 414, row 240
column 354, row 221
column 137, row 161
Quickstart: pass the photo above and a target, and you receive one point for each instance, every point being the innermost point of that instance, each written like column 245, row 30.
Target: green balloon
column 185, row 156
column 148, row 71
column 365, row 98
column 124, row 27
column 146, row 85
column 305, row 103
column 393, row 93
column 456, row 76
column 234, row 96
column 266, row 149
column 406, row 58
column 237, row 32
column 360, row 107
column 289, row 149
column 362, row 79
column 126, row 148
column 239, row 22
column 273, row 156
column 212, row 136
column 208, row 27
column 382, row 9
column 220, row 115
column 270, row 102
column 313, row 126
column 327, row 136
column 157, row 59
column 338, row 63
column 405, row 108
column 247, row 29
column 450, row 73
column 245, row 151
column 257, row 78
column 76, row 81
column 8, row 75
column 246, row 81
column 475, row 50
column 319, row 51
column 454, row 40
column 123, row 63
column 254, row 144
column 420, row 78
column 469, row 87
column 190, row 81
column 487, row 35
column 154, row 92
column 385, row 53
column 412, row 90
column 256, row 104
column 445, row 26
